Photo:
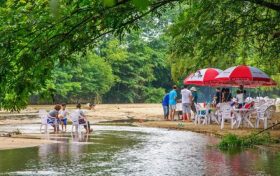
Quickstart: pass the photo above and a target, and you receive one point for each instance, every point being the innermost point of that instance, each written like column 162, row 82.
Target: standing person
column 63, row 116
column 240, row 98
column 241, row 88
column 223, row 91
column 194, row 99
column 186, row 103
column 218, row 97
column 53, row 117
column 82, row 118
column 172, row 102
column 165, row 104
column 227, row 97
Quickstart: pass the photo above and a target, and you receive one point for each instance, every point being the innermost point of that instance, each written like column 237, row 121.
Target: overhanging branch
column 270, row 5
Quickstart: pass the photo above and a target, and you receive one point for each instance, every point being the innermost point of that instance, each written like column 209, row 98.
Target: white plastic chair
column 201, row 114
column 264, row 114
column 270, row 102
column 226, row 110
column 75, row 116
column 43, row 114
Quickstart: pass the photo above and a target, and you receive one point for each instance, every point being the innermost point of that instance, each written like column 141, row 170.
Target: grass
column 232, row 141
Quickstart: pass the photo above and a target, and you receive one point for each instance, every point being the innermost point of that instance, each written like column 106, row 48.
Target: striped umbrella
column 202, row 77
column 243, row 75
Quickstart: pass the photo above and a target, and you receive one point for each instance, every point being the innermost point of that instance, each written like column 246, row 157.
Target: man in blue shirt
column 165, row 103
column 172, row 102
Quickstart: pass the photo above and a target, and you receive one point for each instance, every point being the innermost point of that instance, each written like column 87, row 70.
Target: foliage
column 87, row 80
column 138, row 66
column 223, row 33
column 154, row 95
column 138, row 63
column 36, row 35
column 232, row 141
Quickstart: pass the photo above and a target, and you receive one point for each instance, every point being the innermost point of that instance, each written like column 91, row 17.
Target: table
column 178, row 110
column 242, row 115
column 210, row 115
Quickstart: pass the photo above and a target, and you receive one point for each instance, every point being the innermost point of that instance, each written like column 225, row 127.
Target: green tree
column 35, row 35
column 223, row 33
column 87, row 80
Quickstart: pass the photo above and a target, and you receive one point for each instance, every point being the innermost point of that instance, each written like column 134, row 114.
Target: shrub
column 232, row 141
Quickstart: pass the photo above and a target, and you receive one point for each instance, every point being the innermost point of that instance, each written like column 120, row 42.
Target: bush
column 232, row 141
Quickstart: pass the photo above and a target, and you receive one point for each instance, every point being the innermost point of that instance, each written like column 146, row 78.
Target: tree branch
column 270, row 5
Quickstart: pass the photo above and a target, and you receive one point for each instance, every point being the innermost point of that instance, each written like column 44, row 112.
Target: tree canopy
column 37, row 34
column 39, row 38
column 223, row 33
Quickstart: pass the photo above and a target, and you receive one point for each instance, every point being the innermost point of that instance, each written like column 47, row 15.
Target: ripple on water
column 113, row 150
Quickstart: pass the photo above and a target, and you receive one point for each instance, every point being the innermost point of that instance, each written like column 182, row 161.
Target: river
column 125, row 150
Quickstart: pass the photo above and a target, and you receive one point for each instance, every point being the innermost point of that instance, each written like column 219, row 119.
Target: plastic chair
column 264, row 114
column 201, row 114
column 226, row 113
column 75, row 116
column 43, row 114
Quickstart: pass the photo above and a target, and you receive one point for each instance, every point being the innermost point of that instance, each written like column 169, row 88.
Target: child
column 63, row 117
column 53, row 117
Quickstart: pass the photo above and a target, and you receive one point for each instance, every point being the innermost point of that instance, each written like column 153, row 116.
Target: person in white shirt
column 240, row 98
column 186, row 103
column 63, row 116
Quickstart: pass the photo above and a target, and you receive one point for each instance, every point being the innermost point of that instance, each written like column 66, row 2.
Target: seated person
column 249, row 105
column 53, row 117
column 83, row 119
column 91, row 106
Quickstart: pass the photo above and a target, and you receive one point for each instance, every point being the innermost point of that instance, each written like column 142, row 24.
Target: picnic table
column 242, row 115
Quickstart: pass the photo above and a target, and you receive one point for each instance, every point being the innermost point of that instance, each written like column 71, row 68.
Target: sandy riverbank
column 148, row 115
column 106, row 112
column 103, row 112
column 21, row 142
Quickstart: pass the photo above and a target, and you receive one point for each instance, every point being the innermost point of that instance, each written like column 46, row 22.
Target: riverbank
column 19, row 141
column 205, row 129
column 146, row 115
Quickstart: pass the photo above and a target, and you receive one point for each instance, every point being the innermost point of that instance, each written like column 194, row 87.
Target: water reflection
column 137, row 151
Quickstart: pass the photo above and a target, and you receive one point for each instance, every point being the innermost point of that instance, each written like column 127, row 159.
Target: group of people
column 189, row 97
column 59, row 115
column 224, row 96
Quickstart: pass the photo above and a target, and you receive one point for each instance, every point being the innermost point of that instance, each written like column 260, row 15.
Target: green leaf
column 109, row 3
column 141, row 4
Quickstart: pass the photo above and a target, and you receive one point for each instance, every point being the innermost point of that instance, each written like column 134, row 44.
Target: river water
column 124, row 150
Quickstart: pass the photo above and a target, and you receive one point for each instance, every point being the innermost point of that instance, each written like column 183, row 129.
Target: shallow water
column 120, row 150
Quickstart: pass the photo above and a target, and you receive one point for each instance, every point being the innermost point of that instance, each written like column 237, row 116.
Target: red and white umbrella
column 202, row 77
column 244, row 75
